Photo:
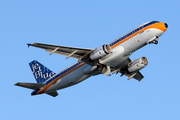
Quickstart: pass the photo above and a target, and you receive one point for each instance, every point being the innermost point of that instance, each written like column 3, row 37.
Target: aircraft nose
column 166, row 25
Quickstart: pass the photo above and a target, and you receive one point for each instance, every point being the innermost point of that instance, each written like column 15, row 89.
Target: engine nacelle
column 100, row 52
column 138, row 64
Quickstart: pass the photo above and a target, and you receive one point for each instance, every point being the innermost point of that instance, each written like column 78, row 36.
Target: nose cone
column 166, row 25
column 162, row 26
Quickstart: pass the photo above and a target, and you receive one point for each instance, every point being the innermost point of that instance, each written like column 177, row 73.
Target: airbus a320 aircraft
column 107, row 59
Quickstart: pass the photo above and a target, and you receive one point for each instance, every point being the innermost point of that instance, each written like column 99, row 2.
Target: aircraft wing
column 137, row 75
column 63, row 50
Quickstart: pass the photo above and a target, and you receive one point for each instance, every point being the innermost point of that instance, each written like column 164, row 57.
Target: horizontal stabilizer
column 33, row 86
column 54, row 93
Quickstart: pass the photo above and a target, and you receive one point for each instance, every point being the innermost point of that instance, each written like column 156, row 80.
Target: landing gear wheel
column 155, row 42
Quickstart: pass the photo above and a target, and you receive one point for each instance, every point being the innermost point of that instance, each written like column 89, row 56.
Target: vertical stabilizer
column 40, row 72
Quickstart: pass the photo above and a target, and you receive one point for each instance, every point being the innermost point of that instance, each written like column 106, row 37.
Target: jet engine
column 100, row 52
column 138, row 64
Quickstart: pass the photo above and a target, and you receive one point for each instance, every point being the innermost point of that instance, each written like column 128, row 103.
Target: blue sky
column 88, row 24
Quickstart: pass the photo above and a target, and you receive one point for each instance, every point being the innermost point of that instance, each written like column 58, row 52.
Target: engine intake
column 138, row 64
column 100, row 52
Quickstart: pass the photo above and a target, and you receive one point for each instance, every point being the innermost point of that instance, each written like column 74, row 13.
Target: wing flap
column 33, row 86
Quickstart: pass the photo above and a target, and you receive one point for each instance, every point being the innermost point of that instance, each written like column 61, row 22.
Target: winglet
column 29, row 44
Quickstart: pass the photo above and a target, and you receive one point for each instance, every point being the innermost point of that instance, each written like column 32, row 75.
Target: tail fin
column 41, row 73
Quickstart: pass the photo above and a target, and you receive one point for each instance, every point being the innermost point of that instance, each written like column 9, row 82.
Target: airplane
column 107, row 59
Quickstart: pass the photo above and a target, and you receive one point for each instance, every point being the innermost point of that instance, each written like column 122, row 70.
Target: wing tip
column 28, row 44
column 17, row 84
column 31, row 44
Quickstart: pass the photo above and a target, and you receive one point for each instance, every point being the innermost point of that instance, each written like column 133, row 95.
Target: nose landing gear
column 153, row 40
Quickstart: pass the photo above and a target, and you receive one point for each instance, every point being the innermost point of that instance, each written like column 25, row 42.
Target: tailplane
column 36, row 87
column 33, row 86
column 40, row 72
